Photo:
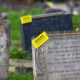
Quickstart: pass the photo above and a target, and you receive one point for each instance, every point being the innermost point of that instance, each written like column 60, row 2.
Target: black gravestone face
column 47, row 22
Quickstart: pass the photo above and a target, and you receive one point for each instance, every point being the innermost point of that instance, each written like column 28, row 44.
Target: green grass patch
column 76, row 19
column 76, row 22
column 16, row 76
column 19, row 54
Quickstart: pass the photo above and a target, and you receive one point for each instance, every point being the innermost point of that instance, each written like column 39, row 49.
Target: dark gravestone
column 46, row 22
column 58, row 58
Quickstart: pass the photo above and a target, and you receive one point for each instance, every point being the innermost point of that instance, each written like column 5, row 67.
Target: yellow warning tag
column 26, row 19
column 40, row 40
column 50, row 4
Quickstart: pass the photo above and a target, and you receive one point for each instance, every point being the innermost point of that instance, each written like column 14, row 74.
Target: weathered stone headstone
column 46, row 22
column 58, row 58
column 4, row 49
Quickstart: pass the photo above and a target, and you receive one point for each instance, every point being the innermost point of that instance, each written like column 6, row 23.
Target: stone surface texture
column 4, row 48
column 58, row 58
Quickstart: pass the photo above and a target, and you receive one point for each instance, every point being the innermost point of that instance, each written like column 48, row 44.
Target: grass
column 76, row 21
column 16, row 76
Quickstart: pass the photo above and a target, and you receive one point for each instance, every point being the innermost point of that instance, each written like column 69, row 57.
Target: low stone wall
column 24, row 63
column 21, row 66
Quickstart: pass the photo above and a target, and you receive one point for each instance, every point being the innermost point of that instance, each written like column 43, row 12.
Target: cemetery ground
column 28, row 76
column 16, row 51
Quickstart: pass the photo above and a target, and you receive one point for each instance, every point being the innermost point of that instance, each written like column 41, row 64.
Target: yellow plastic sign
column 40, row 40
column 26, row 19
column 50, row 4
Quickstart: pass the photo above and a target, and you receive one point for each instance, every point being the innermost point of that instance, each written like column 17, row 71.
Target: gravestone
column 45, row 22
column 4, row 49
column 58, row 58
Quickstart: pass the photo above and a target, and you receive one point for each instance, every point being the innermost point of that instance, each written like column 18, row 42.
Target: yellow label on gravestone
column 50, row 4
column 26, row 19
column 40, row 40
